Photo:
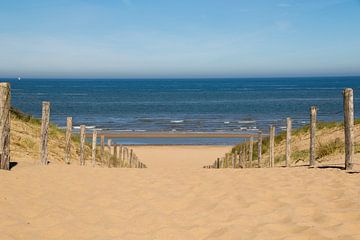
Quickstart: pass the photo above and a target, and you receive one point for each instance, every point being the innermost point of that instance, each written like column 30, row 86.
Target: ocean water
column 185, row 105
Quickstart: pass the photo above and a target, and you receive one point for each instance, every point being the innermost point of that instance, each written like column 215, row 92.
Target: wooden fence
column 122, row 156
column 113, row 157
column 243, row 157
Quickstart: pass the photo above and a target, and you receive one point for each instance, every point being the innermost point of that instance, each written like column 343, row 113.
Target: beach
column 175, row 198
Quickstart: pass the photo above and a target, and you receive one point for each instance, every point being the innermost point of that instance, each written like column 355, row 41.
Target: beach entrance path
column 180, row 157
column 175, row 198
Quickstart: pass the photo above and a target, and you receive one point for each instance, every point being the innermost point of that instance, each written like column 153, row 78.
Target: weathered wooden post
column 251, row 147
column 246, row 156
column 45, row 120
column 243, row 156
column 118, row 152
column 233, row 160
column 288, row 142
column 102, row 148
column 240, row 158
column 237, row 159
column 218, row 163
column 123, row 154
column 259, row 149
column 313, row 116
column 226, row 160
column 135, row 160
column 5, row 98
column 118, row 155
column 82, row 145
column 113, row 154
column 69, row 122
column 349, row 127
column 93, row 152
column 125, row 157
column 131, row 158
column 109, row 155
column 272, row 146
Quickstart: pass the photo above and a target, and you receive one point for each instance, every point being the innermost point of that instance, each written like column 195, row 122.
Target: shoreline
column 174, row 135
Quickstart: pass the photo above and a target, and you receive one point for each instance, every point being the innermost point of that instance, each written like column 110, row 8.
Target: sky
column 179, row 38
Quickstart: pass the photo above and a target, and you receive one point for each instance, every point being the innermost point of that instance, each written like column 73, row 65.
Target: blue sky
column 173, row 38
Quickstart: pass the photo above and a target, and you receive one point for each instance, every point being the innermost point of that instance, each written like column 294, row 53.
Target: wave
column 177, row 121
column 86, row 127
column 247, row 122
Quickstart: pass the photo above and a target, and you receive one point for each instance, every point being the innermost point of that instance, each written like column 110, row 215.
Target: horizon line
column 179, row 78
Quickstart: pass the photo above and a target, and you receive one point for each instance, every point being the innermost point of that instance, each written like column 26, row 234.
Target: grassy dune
column 329, row 144
column 25, row 140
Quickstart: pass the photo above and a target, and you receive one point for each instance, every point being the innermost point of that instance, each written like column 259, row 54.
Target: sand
column 177, row 199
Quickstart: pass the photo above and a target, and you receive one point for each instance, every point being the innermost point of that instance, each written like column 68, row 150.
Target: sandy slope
column 176, row 199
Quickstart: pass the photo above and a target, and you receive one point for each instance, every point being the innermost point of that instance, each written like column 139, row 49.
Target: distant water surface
column 185, row 105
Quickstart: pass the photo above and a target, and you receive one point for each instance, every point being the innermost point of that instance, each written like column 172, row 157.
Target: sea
column 221, row 105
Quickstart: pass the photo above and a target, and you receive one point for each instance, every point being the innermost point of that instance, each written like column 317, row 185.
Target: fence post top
column 348, row 91
column 4, row 84
column 46, row 103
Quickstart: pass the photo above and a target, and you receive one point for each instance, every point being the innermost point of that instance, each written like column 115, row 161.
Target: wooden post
column 237, row 159
column 69, row 122
column 272, row 146
column 218, row 163
column 288, row 142
column 226, row 161
column 125, row 157
column 93, row 152
column 118, row 152
column 45, row 119
column 131, row 158
column 109, row 156
column 5, row 98
column 115, row 149
column 82, row 145
column 102, row 148
column 259, row 149
column 233, row 160
column 240, row 158
column 246, row 156
column 313, row 116
column 118, row 155
column 251, row 148
column 349, row 127
column 123, row 154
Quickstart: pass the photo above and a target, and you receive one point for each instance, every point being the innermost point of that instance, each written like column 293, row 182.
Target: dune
column 175, row 198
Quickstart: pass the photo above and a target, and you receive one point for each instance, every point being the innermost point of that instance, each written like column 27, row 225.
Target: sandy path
column 176, row 199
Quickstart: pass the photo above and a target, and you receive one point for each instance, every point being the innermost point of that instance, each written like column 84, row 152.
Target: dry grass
column 330, row 143
column 25, row 143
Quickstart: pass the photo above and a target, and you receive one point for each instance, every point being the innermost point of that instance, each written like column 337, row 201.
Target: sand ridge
column 175, row 198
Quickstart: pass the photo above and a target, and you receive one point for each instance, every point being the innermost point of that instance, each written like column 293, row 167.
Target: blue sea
column 184, row 105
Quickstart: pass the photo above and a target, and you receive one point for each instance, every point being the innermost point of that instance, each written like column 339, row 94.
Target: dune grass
column 322, row 149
